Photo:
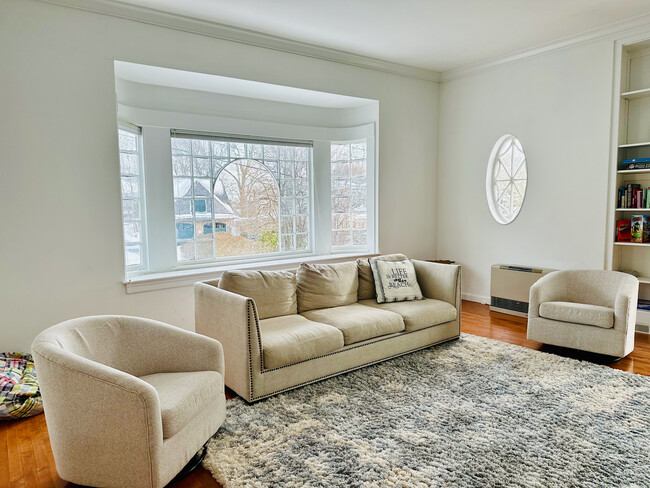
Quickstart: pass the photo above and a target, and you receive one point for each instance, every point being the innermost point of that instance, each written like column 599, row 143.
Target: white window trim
column 156, row 138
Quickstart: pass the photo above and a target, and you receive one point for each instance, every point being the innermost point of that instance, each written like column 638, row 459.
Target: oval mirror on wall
column 506, row 179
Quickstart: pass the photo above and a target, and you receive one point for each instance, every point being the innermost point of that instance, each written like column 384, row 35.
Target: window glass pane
column 132, row 255
column 183, row 187
column 202, row 167
column 131, row 210
column 129, row 164
column 128, row 141
column 182, row 165
column 341, row 238
column 132, row 201
column 238, row 199
column 132, row 232
column 349, row 194
column 130, row 186
column 185, row 251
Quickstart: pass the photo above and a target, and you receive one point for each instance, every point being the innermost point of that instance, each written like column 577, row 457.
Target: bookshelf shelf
column 639, row 244
column 633, row 95
column 635, row 144
column 632, row 171
column 632, row 143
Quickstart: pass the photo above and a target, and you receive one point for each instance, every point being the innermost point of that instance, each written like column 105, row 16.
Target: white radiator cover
column 510, row 287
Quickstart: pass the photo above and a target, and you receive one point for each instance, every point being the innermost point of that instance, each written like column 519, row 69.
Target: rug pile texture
column 470, row 413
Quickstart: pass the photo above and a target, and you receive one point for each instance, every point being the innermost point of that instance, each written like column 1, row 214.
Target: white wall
column 61, row 246
column 559, row 106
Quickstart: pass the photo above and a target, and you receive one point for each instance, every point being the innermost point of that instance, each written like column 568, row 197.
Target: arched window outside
column 243, row 199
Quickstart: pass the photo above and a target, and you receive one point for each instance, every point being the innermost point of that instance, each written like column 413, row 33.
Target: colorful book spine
column 633, row 196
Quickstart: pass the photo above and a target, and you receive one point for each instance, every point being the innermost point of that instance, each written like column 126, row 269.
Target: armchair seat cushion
column 578, row 313
column 293, row 338
column 358, row 322
column 183, row 395
column 418, row 314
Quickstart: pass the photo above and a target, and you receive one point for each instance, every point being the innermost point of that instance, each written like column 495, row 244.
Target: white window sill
column 187, row 277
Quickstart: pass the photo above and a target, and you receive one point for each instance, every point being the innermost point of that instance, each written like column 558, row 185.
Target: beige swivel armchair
column 590, row 310
column 128, row 401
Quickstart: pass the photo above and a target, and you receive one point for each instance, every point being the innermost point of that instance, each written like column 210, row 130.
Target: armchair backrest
column 593, row 287
column 119, row 342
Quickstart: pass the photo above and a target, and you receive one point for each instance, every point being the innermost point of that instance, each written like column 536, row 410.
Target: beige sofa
column 128, row 401
column 282, row 330
column 590, row 310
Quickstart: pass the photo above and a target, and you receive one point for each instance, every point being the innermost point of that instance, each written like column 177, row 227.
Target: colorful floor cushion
column 19, row 393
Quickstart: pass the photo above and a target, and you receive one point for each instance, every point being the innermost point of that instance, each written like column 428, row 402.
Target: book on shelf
column 638, row 163
column 643, row 304
column 633, row 196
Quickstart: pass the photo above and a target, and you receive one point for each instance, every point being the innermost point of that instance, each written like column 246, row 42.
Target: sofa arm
column 93, row 412
column 626, row 304
column 439, row 281
column 232, row 320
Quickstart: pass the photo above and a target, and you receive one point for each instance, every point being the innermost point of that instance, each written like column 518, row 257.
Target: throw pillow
column 366, row 280
column 395, row 281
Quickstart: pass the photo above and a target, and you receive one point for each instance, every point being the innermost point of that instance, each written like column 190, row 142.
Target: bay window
column 214, row 199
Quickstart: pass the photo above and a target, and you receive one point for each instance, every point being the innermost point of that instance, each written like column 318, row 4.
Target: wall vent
column 510, row 287
column 507, row 304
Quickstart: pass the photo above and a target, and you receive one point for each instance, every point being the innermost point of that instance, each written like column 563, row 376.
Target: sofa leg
column 192, row 464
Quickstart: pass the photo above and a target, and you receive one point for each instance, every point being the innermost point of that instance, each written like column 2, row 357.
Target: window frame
column 490, row 178
column 143, row 243
column 234, row 138
column 159, row 203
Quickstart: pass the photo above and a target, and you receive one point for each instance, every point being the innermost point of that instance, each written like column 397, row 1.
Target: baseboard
column 475, row 298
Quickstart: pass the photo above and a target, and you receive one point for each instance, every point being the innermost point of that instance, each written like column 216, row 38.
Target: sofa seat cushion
column 183, row 395
column 293, row 338
column 358, row 322
column 578, row 313
column 418, row 314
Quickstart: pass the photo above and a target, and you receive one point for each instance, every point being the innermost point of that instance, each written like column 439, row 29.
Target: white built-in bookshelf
column 632, row 142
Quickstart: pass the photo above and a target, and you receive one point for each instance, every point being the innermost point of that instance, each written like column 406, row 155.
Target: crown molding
column 611, row 31
column 193, row 25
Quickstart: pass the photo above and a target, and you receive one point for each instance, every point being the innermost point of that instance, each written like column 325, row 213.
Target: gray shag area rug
column 470, row 413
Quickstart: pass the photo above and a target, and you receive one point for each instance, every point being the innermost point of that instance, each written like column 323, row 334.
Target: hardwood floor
column 26, row 458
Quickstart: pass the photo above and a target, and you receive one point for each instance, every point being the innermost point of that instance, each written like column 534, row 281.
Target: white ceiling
column 434, row 34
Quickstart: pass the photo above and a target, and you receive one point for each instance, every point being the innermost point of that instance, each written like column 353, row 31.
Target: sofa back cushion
column 274, row 292
column 326, row 285
column 366, row 280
